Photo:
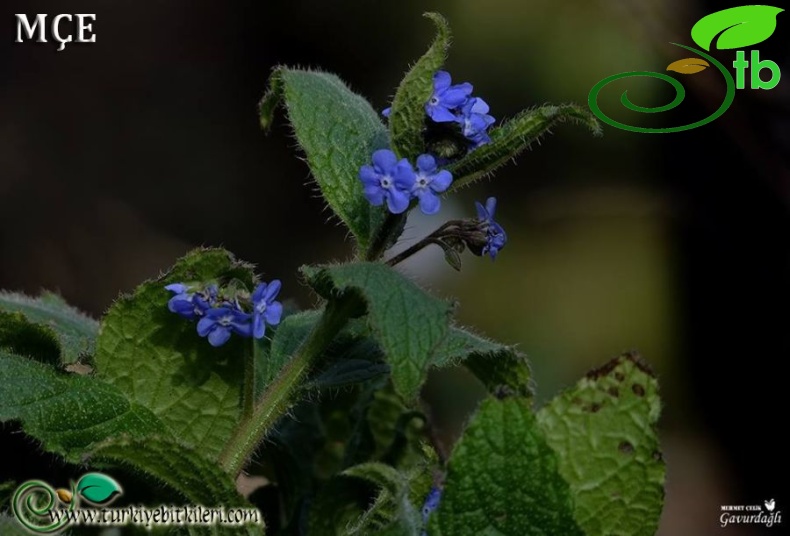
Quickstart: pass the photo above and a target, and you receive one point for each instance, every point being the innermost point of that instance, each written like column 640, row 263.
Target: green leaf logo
column 98, row 489
column 739, row 27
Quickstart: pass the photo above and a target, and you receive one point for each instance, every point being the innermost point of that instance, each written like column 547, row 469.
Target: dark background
column 119, row 156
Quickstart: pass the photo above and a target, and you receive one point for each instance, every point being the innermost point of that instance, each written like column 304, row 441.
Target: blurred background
column 118, row 157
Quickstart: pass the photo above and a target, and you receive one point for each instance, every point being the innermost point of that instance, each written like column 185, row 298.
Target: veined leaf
column 66, row 412
column 408, row 323
column 338, row 131
column 407, row 118
column 604, row 433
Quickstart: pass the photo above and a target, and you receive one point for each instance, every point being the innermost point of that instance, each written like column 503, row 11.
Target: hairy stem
column 386, row 236
column 406, row 253
column 248, row 395
column 281, row 394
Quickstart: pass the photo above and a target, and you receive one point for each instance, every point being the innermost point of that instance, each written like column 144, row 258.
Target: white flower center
column 261, row 307
column 386, row 181
column 226, row 320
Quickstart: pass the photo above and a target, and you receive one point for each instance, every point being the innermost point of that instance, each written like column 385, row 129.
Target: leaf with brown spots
column 603, row 431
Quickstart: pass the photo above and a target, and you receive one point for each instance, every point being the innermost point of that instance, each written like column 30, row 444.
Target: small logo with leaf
column 737, row 27
column 98, row 489
column 33, row 501
column 770, row 505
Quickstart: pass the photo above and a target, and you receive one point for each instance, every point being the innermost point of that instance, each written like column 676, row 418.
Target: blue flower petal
column 439, row 114
column 426, row 163
column 429, row 202
column 441, row 181
column 397, row 201
column 384, row 160
column 441, row 80
column 205, row 325
column 219, row 336
column 258, row 327
column 274, row 312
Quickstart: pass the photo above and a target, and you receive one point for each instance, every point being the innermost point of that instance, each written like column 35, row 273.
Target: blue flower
column 388, row 180
column 431, row 503
column 446, row 98
column 474, row 120
column 190, row 305
column 429, row 182
column 219, row 322
column 386, row 112
column 495, row 234
column 264, row 309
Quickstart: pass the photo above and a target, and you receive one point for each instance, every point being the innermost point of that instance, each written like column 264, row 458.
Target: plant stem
column 280, row 395
column 248, row 396
column 406, row 253
column 388, row 233
column 433, row 238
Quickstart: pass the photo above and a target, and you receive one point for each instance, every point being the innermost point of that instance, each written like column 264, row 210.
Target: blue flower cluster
column 220, row 316
column 495, row 234
column 455, row 103
column 395, row 182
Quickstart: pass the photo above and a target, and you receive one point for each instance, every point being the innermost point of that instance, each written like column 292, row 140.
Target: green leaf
column 197, row 478
column 67, row 413
column 21, row 337
column 348, row 372
column 98, row 488
column 75, row 331
column 604, row 432
column 502, row 369
column 407, row 118
column 158, row 361
column 338, row 131
column 515, row 136
column 408, row 323
column 740, row 27
column 391, row 512
column 272, row 355
column 502, row 479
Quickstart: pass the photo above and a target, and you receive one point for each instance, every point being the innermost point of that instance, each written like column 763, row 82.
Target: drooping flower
column 388, row 180
column 429, row 182
column 475, row 120
column 495, row 234
column 447, row 99
column 264, row 309
column 219, row 323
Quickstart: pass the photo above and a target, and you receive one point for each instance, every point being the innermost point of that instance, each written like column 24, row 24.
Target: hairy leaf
column 195, row 477
column 338, row 131
column 68, row 413
column 514, row 136
column 502, row 479
column 407, row 118
column 76, row 332
column 391, row 512
column 272, row 355
column 408, row 323
column 21, row 337
column 604, row 432
column 502, row 369
column 157, row 360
